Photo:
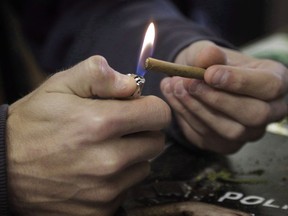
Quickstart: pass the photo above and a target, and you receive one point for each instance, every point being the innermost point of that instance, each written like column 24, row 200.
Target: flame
column 147, row 49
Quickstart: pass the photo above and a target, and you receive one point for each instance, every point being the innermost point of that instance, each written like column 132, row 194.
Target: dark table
column 253, row 180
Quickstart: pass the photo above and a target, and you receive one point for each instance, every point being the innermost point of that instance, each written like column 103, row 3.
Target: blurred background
column 239, row 21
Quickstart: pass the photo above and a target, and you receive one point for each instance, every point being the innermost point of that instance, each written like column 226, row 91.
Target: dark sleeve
column 3, row 164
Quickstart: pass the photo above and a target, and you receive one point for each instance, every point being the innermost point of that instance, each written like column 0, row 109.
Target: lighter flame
column 149, row 38
column 147, row 49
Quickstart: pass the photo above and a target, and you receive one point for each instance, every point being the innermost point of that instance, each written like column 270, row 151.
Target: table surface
column 253, row 180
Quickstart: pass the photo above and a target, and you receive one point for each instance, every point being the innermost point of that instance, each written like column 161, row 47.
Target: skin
column 188, row 208
column 238, row 98
column 72, row 150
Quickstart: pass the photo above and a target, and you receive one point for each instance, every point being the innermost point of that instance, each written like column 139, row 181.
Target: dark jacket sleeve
column 3, row 163
column 115, row 30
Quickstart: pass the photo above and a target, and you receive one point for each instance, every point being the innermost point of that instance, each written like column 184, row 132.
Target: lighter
column 140, row 80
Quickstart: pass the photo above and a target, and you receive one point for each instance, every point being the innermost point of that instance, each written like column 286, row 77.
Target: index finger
column 125, row 117
column 267, row 81
column 90, row 78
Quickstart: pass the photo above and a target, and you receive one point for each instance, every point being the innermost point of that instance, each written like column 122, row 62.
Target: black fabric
column 3, row 164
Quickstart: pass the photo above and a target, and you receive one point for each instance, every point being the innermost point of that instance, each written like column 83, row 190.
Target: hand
column 70, row 154
column 239, row 97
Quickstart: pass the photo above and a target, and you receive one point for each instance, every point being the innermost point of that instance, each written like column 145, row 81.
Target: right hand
column 240, row 96
column 70, row 154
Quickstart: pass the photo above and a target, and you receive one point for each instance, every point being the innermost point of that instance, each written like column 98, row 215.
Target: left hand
column 72, row 150
column 239, row 96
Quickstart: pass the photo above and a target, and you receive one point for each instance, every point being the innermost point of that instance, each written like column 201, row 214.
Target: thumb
column 92, row 77
column 201, row 54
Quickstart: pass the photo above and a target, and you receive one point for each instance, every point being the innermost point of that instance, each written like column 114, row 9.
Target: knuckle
column 260, row 115
column 216, row 54
column 236, row 84
column 99, row 127
column 279, row 80
column 161, row 109
column 194, row 107
column 97, row 66
column 278, row 87
column 110, row 163
column 108, row 194
column 204, row 48
column 216, row 99
column 95, row 62
column 234, row 133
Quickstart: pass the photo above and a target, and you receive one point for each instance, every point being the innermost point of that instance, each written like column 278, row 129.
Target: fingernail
column 166, row 86
column 179, row 89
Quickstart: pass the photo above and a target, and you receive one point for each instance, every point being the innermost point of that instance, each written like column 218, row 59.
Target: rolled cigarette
column 172, row 69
